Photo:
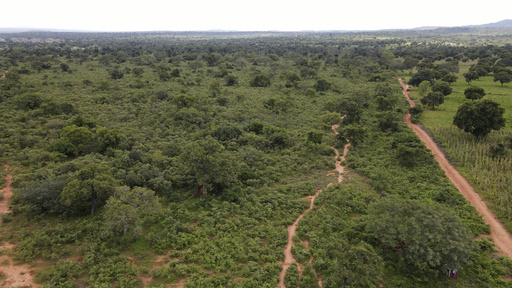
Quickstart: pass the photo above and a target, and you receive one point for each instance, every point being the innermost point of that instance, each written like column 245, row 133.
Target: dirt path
column 288, row 256
column 6, row 191
column 501, row 238
column 15, row 275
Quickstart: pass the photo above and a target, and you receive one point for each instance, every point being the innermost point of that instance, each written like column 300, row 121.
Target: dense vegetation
column 185, row 156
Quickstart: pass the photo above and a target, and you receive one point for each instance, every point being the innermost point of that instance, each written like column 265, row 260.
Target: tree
column 116, row 74
column 108, row 139
column 260, row 80
column 354, row 265
column 424, row 88
column 433, row 99
column 64, row 67
column 409, row 63
column 89, row 187
column 443, row 88
column 422, row 75
column 479, row 117
column 208, row 166
column 474, row 93
column 503, row 77
column 450, row 78
column 124, row 210
column 470, row 76
column 423, row 234
column 322, row 85
column 211, row 59
column 354, row 133
column 28, row 101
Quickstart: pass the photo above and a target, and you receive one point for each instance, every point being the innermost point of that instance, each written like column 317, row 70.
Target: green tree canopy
column 503, row 77
column 470, row 76
column 474, row 93
column 354, row 265
column 480, row 117
column 260, row 80
column 443, row 88
column 433, row 99
column 89, row 187
column 208, row 166
column 124, row 210
column 424, row 234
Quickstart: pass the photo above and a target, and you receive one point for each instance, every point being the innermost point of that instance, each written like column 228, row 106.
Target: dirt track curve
column 288, row 256
column 500, row 236
column 15, row 275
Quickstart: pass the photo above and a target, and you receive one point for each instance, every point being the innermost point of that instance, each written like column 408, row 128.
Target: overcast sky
column 259, row 15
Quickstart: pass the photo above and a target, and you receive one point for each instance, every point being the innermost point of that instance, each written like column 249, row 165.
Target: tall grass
column 491, row 175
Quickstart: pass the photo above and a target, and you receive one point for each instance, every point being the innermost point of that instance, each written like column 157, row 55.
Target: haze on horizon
column 263, row 15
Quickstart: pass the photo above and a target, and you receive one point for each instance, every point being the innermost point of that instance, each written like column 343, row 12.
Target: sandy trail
column 288, row 256
column 6, row 191
column 15, row 275
column 501, row 238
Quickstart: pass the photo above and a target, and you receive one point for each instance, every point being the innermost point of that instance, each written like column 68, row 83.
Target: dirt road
column 288, row 256
column 15, row 275
column 501, row 238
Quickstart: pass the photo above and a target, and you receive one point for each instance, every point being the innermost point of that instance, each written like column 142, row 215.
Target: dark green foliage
column 116, row 74
column 479, row 117
column 28, row 101
column 442, row 87
column 450, row 78
column 474, row 93
column 260, row 80
column 315, row 137
column 424, row 235
column 231, row 80
column 349, row 264
column 255, row 127
column 355, row 133
column 208, row 167
column 43, row 196
column 292, row 276
column 388, row 121
column 88, row 189
column 433, row 99
column 422, row 75
column 503, row 77
column 322, row 85
column 308, row 279
column 471, row 76
column 225, row 133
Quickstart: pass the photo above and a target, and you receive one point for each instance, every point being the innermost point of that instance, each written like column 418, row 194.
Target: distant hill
column 500, row 24
column 503, row 23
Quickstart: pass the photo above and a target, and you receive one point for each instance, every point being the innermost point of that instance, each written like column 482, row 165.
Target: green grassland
column 488, row 174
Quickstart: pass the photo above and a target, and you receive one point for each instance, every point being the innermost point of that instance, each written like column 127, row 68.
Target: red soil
column 288, row 256
column 15, row 275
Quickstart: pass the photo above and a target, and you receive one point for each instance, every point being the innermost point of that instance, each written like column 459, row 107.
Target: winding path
column 288, row 256
column 15, row 275
column 500, row 236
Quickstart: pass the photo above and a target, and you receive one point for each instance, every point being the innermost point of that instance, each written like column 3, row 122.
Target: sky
column 240, row 15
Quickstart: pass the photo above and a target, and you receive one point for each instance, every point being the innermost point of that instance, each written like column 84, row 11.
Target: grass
column 490, row 176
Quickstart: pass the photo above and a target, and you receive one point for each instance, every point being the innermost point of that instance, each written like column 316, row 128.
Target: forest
column 183, row 159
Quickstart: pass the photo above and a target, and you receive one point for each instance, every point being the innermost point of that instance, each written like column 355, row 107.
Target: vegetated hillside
column 155, row 159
